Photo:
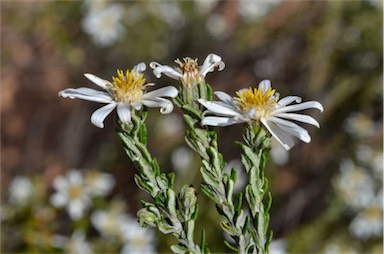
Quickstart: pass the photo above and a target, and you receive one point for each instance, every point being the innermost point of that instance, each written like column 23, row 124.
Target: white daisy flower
column 368, row 223
column 126, row 92
column 71, row 193
column 110, row 222
column 138, row 240
column 189, row 72
column 76, row 244
column 103, row 24
column 21, row 191
column 263, row 105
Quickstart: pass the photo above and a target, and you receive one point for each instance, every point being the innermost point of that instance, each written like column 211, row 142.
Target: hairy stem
column 170, row 213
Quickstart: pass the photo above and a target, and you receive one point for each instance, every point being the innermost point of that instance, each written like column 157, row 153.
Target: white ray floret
column 126, row 92
column 262, row 106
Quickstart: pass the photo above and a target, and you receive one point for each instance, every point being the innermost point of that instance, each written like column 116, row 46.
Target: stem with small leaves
column 255, row 150
column 170, row 213
column 217, row 185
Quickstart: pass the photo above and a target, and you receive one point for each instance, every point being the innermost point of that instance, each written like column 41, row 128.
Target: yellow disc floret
column 263, row 102
column 128, row 87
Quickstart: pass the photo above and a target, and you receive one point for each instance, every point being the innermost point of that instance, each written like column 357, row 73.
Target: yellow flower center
column 374, row 212
column 75, row 192
column 128, row 87
column 263, row 102
column 190, row 70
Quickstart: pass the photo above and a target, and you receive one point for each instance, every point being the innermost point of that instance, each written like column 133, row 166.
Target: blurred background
column 327, row 195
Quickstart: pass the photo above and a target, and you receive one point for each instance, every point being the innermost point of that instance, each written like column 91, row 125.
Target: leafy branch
column 170, row 213
column 256, row 149
column 217, row 185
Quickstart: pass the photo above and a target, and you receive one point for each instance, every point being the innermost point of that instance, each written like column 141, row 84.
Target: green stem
column 217, row 185
column 169, row 213
column 256, row 149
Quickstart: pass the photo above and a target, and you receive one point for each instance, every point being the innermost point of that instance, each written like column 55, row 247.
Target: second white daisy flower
column 262, row 105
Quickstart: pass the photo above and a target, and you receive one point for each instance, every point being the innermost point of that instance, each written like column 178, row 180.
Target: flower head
column 21, row 191
column 126, row 92
column 71, row 193
column 262, row 106
column 103, row 23
column 188, row 71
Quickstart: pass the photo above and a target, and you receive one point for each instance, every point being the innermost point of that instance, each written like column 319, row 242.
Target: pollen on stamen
column 256, row 98
column 128, row 87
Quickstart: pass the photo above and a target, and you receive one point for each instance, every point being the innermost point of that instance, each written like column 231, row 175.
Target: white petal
column 298, row 107
column 124, row 112
column 220, row 121
column 60, row 183
column 76, row 209
column 210, row 62
column 98, row 81
column 86, row 94
column 159, row 69
column 75, row 177
column 224, row 97
column 141, row 67
column 99, row 115
column 288, row 100
column 137, row 105
column 291, row 128
column 283, row 138
column 165, row 105
column 219, row 108
column 265, row 85
column 168, row 91
column 299, row 117
column 58, row 200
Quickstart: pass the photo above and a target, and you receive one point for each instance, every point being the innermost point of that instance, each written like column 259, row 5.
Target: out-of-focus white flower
column 104, row 24
column 354, row 185
column 360, row 125
column 76, row 244
column 138, row 240
column 21, row 190
column 217, row 26
column 252, row 11
column 335, row 248
column 71, row 193
column 262, row 106
column 110, row 223
column 169, row 11
column 204, row 6
column 127, row 92
column 278, row 154
column 182, row 158
column 189, row 72
column 368, row 223
column 98, row 184
column 372, row 159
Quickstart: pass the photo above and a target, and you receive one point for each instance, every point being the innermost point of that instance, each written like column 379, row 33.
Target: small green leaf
column 238, row 202
column 190, row 121
column 171, row 179
column 209, row 192
column 143, row 134
column 178, row 249
column 190, row 110
column 231, row 247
